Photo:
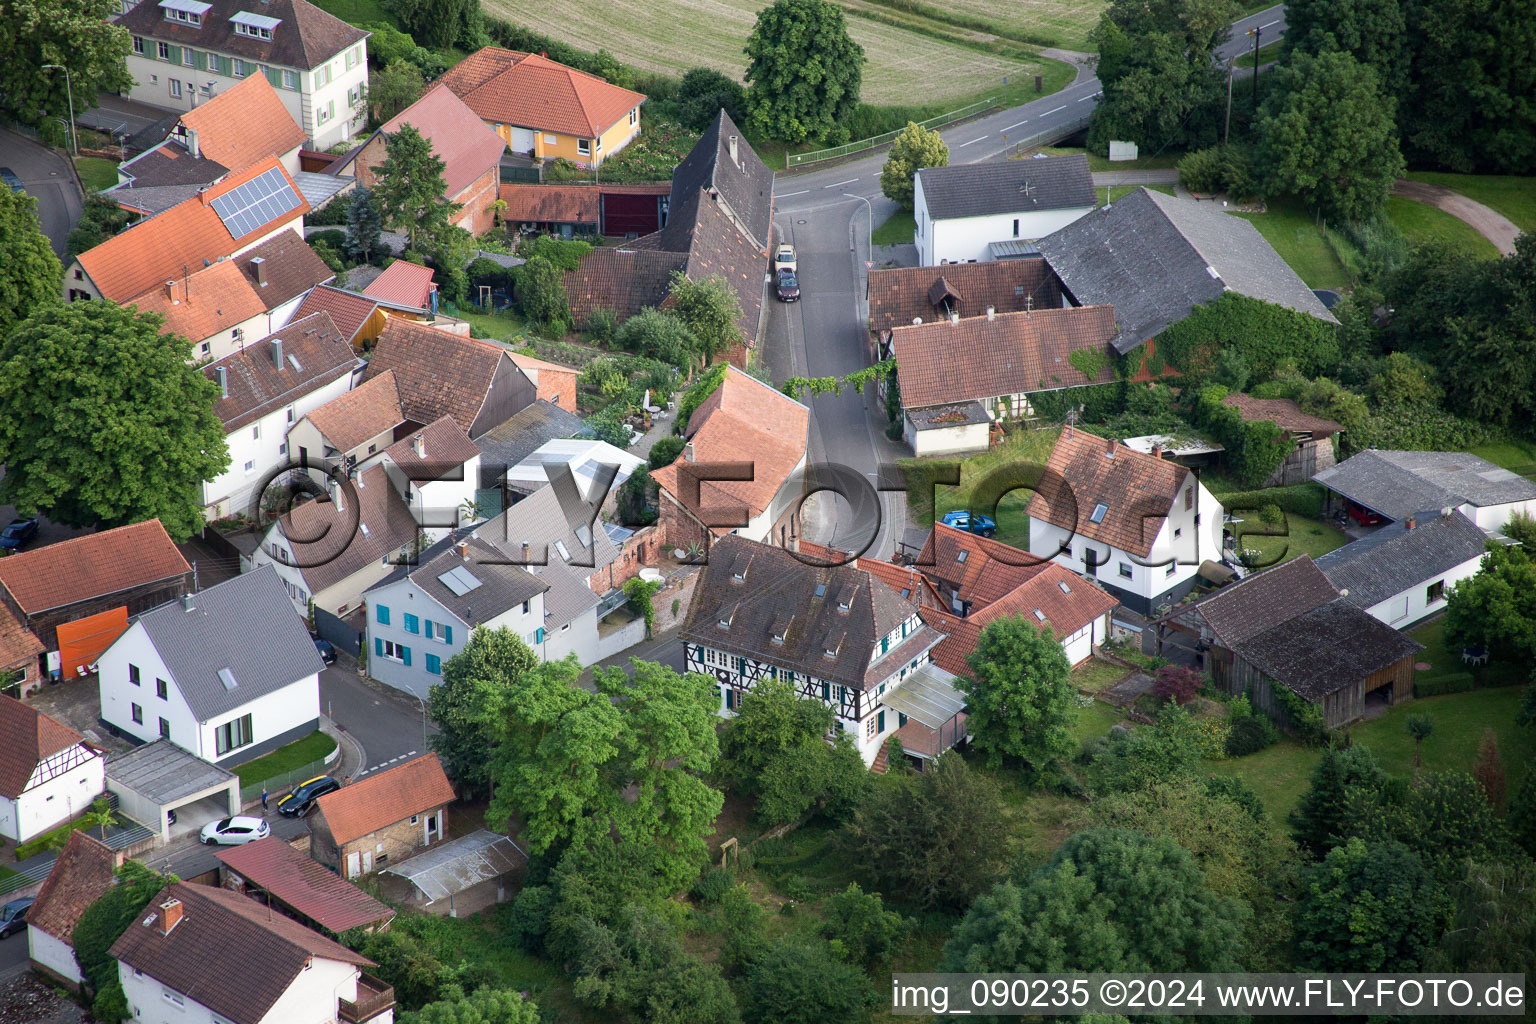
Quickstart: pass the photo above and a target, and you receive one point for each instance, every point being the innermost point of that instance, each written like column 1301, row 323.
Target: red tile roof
column 1137, row 490
column 445, row 448
column 465, row 144
column 349, row 310
column 555, row 204
column 898, row 295
column 243, row 124
column 331, row 543
column 228, row 952
column 409, row 284
column 27, row 736
column 436, row 371
column 1286, row 414
column 209, row 302
column 977, row 358
column 314, row 355
column 303, row 884
column 368, row 410
column 744, row 420
column 508, row 87
column 382, row 799
column 18, row 644
column 85, row 869
column 98, row 564
column 168, row 245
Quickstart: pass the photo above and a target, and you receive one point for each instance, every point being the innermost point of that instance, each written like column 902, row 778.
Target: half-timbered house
column 47, row 773
column 835, row 632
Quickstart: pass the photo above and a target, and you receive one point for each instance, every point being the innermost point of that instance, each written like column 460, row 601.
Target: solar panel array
column 459, row 580
column 259, row 201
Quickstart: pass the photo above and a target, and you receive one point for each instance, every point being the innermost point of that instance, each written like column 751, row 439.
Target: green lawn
column 97, row 173
column 1032, row 446
column 300, row 752
column 1422, row 223
column 1445, row 661
column 897, row 230
column 1093, row 676
column 1151, row 162
column 1519, row 456
column 1303, row 537
column 1512, row 196
column 359, row 12
column 496, row 326
column 1298, row 239
column 1096, row 720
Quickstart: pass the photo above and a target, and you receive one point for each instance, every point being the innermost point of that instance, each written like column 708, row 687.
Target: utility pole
column 1257, row 32
column 69, row 91
column 1226, row 135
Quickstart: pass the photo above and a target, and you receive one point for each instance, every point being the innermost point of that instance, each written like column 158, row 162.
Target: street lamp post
column 870, row 208
column 69, row 92
column 423, row 722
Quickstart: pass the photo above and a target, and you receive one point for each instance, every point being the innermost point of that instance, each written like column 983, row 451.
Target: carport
column 160, row 777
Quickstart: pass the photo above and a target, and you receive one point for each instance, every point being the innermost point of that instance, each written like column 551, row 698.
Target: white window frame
column 175, row 86
column 138, row 45
column 583, row 147
column 290, row 80
column 162, row 51
column 634, row 116
column 240, row 68
column 188, row 57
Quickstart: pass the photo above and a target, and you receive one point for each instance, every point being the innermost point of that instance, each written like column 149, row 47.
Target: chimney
column 954, row 318
column 419, row 446
column 464, row 550
column 277, row 352
column 734, row 159
column 174, row 291
column 1410, row 524
column 688, row 451
column 527, row 555
column 991, row 312
column 1109, row 448
column 192, row 147
column 1157, row 450
column 337, row 494
column 222, row 372
column 187, row 603
column 259, row 268
column 170, row 916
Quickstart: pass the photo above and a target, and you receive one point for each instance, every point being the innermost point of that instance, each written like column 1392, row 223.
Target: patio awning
column 928, row 695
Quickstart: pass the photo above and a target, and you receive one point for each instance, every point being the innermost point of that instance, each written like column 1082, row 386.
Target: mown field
column 904, row 65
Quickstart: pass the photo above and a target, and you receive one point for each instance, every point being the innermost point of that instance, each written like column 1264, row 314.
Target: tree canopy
column 803, row 72
column 796, row 982
column 1020, row 695
column 704, row 92
column 29, row 271
column 483, row 1006
column 1374, row 32
column 470, row 704
column 1368, row 907
column 80, row 35
column 711, row 310
column 1319, row 821
column 1496, row 608
column 104, row 422
column 411, row 187
column 915, row 147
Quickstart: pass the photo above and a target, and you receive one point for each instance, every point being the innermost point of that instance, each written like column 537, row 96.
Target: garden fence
column 277, row 783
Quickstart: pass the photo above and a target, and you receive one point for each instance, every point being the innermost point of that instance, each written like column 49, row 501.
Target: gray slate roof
column 512, row 441
column 1326, row 649
column 501, row 585
column 746, row 185
column 1395, row 558
column 1244, row 609
column 1008, row 186
column 1155, row 258
column 163, row 773
column 539, row 520
column 1398, row 484
column 246, row 625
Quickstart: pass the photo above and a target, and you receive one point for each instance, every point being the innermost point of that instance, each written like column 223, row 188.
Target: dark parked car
column 789, row 286
column 327, row 652
column 9, row 177
column 13, row 917
column 305, row 794
column 18, row 533
column 975, row 523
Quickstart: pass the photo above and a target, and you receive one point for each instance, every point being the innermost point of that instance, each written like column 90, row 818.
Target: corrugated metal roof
column 163, row 773
column 460, row 863
column 927, row 695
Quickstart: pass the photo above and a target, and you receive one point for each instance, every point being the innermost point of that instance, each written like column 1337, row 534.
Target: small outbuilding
column 462, row 876
column 273, row 872
column 153, row 780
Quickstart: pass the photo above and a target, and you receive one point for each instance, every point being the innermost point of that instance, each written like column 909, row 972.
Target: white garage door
column 522, row 140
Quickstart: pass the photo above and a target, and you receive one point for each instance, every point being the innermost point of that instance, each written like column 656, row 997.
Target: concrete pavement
column 50, row 180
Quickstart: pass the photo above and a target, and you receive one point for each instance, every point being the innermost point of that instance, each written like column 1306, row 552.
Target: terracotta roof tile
column 85, row 869
column 409, row 284
column 305, row 37
column 290, row 267
column 552, row 380
column 744, row 420
column 898, row 295
column 623, row 280
column 1137, row 491
column 436, row 372
column 244, row 124
column 556, row 204
column 98, row 564
column 368, row 410
column 508, row 87
column 384, row 798
column 211, row 301
column 349, row 310
column 465, row 144
column 228, row 952
column 303, row 884
column 166, row 246
column 18, row 644
column 1284, row 412
column 445, row 448
column 330, row 543
column 27, row 736
column 941, row 363
column 314, row 354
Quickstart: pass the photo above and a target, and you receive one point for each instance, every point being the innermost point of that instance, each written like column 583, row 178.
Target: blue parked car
column 326, row 651
column 17, row 533
column 972, row 522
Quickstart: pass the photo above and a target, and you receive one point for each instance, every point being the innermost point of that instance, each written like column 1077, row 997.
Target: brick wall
column 680, row 527
column 370, row 156
column 558, row 388
column 477, row 217
column 644, row 548
column 390, row 844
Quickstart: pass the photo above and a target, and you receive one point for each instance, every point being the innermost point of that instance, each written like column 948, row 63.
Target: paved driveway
column 49, row 180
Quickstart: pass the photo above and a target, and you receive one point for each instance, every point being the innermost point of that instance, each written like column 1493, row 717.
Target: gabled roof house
column 1405, row 571
column 968, row 212
column 1399, row 484
column 382, row 818
column 439, row 373
column 274, row 872
column 85, row 869
column 47, row 773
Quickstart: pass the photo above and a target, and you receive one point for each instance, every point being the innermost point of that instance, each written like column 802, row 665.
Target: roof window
column 1099, row 511
column 961, row 556
column 1063, row 585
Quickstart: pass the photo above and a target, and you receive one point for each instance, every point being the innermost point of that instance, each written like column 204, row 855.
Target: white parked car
column 235, row 831
column 784, row 259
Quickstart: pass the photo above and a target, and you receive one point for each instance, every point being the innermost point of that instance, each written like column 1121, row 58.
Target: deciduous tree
column 1494, row 925
column 915, row 147
column 484, row 1006
column 29, row 271
column 711, row 310
column 392, row 88
column 657, row 335
column 470, row 705
column 864, row 931
column 1496, row 608
column 1368, row 907
column 541, row 294
column 795, row 981
column 1443, row 817
column 703, row 93
column 1319, row 821
column 803, row 72
column 78, row 34
column 1327, row 134
column 1374, row 32
column 1020, row 694
column 102, row 420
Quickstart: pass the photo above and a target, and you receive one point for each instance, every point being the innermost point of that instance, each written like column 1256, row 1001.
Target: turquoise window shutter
column 378, row 647
column 434, row 664
column 405, row 656
column 411, row 623
column 447, row 634
column 382, row 614
column 539, row 635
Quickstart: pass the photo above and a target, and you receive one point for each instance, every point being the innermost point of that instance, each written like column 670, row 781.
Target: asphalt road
column 13, row 955
column 387, row 723
column 49, row 180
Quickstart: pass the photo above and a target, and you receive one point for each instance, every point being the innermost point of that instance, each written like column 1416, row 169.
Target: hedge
column 1305, row 500
column 1456, row 682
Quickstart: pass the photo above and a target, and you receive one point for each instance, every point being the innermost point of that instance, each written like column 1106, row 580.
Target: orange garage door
column 82, row 641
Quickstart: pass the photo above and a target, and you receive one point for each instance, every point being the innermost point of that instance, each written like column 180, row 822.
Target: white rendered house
column 968, row 213
column 50, row 774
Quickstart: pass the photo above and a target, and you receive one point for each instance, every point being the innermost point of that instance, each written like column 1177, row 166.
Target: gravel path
column 1495, row 227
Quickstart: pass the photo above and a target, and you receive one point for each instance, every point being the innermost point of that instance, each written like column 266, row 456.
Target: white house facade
column 54, row 954
column 1405, row 571
column 61, row 786
column 963, row 209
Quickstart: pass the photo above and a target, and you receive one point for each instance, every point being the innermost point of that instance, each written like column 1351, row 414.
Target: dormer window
column 185, row 12
column 254, row 26
column 845, row 598
column 726, row 616
column 1099, row 511
column 780, row 628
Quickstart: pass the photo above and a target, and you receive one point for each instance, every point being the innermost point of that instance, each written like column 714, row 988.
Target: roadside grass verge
column 300, row 752
column 1513, row 196
column 898, row 229
column 1420, row 222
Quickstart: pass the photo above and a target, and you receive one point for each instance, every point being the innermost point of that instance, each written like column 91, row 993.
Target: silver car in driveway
column 236, row 831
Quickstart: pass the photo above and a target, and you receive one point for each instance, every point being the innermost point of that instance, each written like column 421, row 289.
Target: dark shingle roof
column 1007, row 186
column 246, row 625
column 228, row 952
column 1283, row 412
column 305, row 38
column 1397, row 484
column 1155, row 258
column 1241, row 610
column 500, row 585
column 512, row 441
column 1326, row 649
column 746, row 185
column 314, row 354
column 291, row 268
column 622, row 280
column 84, row 870
column 372, row 523
column 898, row 295
column 778, row 591
column 1394, row 558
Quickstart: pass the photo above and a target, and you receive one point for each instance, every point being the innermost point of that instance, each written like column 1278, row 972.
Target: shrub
column 1224, row 168
column 665, row 451
column 1249, row 735
column 1456, row 682
column 335, row 239
column 1177, row 683
column 603, row 324
column 1305, row 500
column 712, row 885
